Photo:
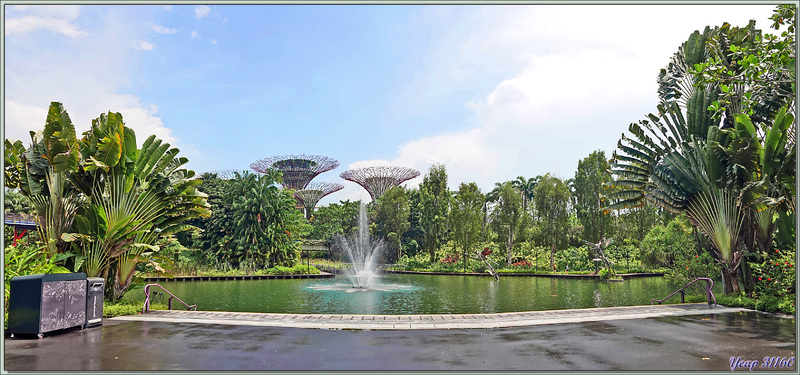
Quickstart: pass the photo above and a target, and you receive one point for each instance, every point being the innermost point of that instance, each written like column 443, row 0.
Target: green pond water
column 415, row 294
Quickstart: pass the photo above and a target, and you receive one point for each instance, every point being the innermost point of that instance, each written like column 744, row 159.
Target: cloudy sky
column 493, row 91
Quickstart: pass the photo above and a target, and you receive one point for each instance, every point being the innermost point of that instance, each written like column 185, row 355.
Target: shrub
column 606, row 273
column 776, row 275
column 666, row 243
column 127, row 307
column 29, row 259
column 521, row 264
column 685, row 270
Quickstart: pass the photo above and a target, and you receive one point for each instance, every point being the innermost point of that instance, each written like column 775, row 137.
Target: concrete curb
column 450, row 321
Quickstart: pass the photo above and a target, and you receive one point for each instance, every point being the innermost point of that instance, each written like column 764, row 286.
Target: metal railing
column 146, row 306
column 709, row 293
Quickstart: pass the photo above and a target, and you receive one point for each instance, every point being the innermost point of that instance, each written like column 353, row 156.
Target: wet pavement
column 673, row 343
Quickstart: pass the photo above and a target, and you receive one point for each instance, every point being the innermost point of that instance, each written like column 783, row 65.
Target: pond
column 415, row 294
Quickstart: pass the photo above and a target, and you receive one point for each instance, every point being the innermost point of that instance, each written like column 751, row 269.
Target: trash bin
column 44, row 303
column 94, row 301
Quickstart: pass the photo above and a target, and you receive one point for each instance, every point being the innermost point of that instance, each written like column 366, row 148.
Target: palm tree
column 525, row 187
column 686, row 159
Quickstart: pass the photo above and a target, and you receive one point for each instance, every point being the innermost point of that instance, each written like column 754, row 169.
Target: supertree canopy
column 298, row 170
column 379, row 179
column 310, row 196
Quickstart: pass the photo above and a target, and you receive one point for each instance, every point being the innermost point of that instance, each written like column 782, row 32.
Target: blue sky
column 491, row 91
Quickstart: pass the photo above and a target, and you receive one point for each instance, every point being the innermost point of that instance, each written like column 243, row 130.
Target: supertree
column 310, row 196
column 298, row 170
column 379, row 179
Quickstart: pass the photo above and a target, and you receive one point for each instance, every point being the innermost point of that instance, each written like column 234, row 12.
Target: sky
column 491, row 91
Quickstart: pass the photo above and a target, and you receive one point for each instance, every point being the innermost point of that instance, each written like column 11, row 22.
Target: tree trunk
column 729, row 281
column 509, row 243
column 553, row 257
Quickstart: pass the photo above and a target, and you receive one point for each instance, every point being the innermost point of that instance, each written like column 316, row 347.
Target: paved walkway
column 406, row 322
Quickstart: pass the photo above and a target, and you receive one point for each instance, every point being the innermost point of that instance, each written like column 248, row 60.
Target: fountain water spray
column 363, row 252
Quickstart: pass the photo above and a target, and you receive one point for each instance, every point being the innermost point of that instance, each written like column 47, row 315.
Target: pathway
column 412, row 322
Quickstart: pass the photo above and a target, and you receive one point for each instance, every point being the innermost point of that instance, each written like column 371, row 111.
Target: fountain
column 363, row 252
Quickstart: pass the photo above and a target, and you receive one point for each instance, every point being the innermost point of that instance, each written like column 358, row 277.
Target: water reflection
column 415, row 294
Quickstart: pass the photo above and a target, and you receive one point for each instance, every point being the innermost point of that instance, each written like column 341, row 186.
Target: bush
column 127, row 307
column 607, row 273
column 298, row 269
column 666, row 243
column 766, row 303
column 776, row 275
column 577, row 258
column 685, row 270
column 29, row 259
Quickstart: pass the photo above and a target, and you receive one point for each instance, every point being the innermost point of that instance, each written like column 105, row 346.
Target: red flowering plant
column 450, row 259
column 521, row 264
column 776, row 275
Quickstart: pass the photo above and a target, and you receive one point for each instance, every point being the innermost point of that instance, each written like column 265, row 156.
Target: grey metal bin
column 44, row 303
column 94, row 301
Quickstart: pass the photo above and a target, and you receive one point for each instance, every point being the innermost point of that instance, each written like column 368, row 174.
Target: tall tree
column 506, row 216
column 551, row 199
column 466, row 217
column 587, row 192
column 703, row 153
column 267, row 224
column 334, row 219
column 525, row 187
column 392, row 217
column 434, row 205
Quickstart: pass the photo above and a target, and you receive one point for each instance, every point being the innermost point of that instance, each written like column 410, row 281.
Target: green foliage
column 607, row 273
column 587, row 193
column 297, row 269
column 526, row 189
column 334, row 219
column 775, row 304
column 265, row 220
column 123, row 307
column 688, row 268
column 666, row 244
column 551, row 199
column 29, row 259
column 506, row 216
column 466, row 217
column 15, row 202
column 101, row 196
column 623, row 252
column 776, row 275
column 577, row 258
column 391, row 220
column 433, row 208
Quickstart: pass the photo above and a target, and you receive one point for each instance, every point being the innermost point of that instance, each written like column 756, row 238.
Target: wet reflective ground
column 688, row 343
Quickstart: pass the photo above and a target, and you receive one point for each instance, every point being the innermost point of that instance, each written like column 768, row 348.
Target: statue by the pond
column 598, row 253
column 482, row 255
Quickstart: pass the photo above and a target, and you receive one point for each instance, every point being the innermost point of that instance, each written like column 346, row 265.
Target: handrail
column 709, row 293
column 146, row 306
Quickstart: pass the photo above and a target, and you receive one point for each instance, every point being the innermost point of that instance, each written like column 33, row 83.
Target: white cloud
column 214, row 41
column 569, row 88
column 57, row 19
column 21, row 118
column 164, row 30
column 201, row 11
column 89, row 78
column 144, row 45
column 167, row 7
column 195, row 34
